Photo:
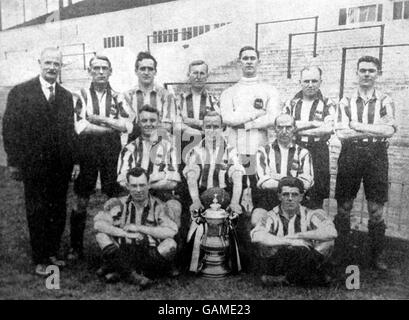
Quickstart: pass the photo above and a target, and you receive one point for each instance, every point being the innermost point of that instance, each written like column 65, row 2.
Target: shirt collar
column 375, row 95
column 276, row 145
column 318, row 96
column 203, row 92
column 223, row 143
column 46, row 84
column 252, row 80
column 156, row 88
column 280, row 212
column 146, row 203
column 154, row 139
column 92, row 87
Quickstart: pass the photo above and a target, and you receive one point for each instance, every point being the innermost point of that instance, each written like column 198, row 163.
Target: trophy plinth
column 215, row 242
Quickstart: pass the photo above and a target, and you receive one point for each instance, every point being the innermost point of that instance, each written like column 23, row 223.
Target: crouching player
column 136, row 234
column 294, row 241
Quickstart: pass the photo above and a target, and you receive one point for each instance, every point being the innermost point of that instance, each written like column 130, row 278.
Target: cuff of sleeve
column 306, row 182
column 173, row 176
column 253, row 231
column 102, row 216
column 80, row 126
column 121, row 179
column 129, row 127
column 248, row 125
column 262, row 180
column 235, row 168
column 192, row 168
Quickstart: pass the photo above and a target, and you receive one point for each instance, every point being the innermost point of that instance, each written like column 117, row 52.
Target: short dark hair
column 245, row 48
column 198, row 63
column 145, row 55
column 136, row 172
column 290, row 182
column 99, row 57
column 309, row 68
column 213, row 114
column 148, row 108
column 374, row 60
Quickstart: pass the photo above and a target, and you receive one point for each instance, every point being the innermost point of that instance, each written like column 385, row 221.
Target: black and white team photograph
column 225, row 151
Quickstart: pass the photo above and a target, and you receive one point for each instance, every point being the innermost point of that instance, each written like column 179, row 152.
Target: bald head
column 50, row 64
column 51, row 50
column 284, row 126
column 284, row 118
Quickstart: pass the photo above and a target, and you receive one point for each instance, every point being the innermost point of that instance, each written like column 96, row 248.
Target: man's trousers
column 45, row 201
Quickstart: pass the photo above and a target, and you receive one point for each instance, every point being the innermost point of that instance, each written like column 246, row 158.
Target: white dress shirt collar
column 45, row 86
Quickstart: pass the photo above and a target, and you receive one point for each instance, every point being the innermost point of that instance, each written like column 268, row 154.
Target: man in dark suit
column 39, row 138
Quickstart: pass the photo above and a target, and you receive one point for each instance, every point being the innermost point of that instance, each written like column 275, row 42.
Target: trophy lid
column 215, row 210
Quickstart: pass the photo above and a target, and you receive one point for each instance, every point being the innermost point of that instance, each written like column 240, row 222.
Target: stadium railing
column 315, row 18
column 292, row 35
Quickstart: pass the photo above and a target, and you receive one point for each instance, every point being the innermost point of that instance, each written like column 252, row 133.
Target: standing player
column 248, row 108
column 314, row 118
column 100, row 118
column 148, row 92
column 194, row 104
column 365, row 121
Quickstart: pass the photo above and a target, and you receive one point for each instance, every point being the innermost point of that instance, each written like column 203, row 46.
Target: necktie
column 51, row 97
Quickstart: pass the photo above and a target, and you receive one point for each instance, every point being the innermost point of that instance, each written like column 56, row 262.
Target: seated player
column 154, row 152
column 136, row 234
column 281, row 158
column 212, row 169
column 294, row 242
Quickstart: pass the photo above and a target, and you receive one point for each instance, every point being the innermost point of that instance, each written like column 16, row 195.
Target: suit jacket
column 39, row 136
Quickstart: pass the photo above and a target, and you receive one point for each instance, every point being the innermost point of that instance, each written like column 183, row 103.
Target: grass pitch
column 17, row 280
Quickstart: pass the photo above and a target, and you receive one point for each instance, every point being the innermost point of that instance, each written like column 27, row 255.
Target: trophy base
column 216, row 272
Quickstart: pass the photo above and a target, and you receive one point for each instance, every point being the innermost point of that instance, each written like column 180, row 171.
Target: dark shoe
column 139, row 280
column 74, row 255
column 103, row 271
column 379, row 265
column 274, row 281
column 40, row 270
column 57, row 262
column 112, row 277
column 174, row 272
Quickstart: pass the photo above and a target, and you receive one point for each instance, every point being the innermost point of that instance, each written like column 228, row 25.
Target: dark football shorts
column 363, row 162
column 320, row 160
column 98, row 155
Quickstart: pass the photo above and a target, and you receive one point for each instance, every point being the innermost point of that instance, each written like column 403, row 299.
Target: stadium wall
column 20, row 49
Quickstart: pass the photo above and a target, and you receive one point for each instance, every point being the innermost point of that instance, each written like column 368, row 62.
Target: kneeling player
column 294, row 241
column 136, row 234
